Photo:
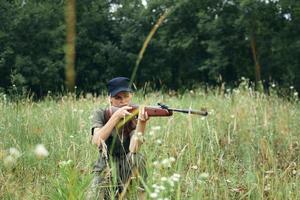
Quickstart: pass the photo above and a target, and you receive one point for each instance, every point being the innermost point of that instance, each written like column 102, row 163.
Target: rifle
column 161, row 110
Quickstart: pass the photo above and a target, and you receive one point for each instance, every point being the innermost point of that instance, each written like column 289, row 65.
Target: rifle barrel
column 195, row 112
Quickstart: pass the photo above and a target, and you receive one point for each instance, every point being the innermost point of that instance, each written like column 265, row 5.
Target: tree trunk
column 70, row 17
column 256, row 61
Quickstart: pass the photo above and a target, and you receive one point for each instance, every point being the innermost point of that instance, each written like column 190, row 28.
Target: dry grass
column 247, row 148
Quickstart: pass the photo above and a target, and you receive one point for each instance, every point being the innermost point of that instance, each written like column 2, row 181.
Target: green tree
column 35, row 46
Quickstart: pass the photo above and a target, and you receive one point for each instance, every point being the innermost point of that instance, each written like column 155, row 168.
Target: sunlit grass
column 246, row 148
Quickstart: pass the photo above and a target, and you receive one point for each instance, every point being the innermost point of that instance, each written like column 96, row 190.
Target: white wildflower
column 64, row 163
column 267, row 187
column 155, row 128
column 175, row 177
column 163, row 179
column 273, row 85
column 236, row 91
column 162, row 188
column 237, row 190
column 158, row 141
column 151, row 133
column 155, row 163
column 194, row 167
column 267, row 176
column 14, row 152
column 166, row 162
column 172, row 159
column 291, row 87
column 157, row 190
column 295, row 94
column 287, row 16
column 41, row 151
column 204, row 175
column 211, row 112
column 153, row 195
column 269, row 172
column 171, row 182
column 9, row 161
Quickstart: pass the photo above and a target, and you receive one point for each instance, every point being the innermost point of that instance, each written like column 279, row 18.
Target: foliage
column 200, row 41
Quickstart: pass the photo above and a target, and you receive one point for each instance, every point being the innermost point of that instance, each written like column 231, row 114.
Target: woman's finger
column 126, row 107
column 143, row 111
column 127, row 113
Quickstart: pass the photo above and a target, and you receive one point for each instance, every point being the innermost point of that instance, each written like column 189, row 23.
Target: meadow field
column 246, row 148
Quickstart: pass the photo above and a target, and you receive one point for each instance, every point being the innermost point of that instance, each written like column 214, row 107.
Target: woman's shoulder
column 99, row 113
column 101, row 109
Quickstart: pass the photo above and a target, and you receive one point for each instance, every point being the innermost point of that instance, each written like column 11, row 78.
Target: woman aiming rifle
column 118, row 148
column 118, row 135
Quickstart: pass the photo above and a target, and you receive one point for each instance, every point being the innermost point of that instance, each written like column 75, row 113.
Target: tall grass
column 247, row 148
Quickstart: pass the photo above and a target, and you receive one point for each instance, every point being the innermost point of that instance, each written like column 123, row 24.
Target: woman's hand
column 122, row 112
column 137, row 138
column 143, row 115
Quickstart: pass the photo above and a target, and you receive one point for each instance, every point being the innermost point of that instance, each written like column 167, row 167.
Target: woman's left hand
column 143, row 115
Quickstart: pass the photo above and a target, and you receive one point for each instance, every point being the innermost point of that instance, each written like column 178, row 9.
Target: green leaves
column 199, row 41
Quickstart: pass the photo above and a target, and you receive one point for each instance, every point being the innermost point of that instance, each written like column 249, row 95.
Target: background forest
column 200, row 41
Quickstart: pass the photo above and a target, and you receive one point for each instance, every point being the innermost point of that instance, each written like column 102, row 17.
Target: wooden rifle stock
column 153, row 111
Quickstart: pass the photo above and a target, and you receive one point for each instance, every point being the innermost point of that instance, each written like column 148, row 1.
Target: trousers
column 114, row 174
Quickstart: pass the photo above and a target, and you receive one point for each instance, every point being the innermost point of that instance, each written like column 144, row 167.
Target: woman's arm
column 101, row 134
column 136, row 140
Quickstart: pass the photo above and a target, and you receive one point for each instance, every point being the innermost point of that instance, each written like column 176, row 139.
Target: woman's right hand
column 122, row 112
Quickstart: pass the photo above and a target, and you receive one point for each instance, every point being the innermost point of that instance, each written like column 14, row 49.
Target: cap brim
column 121, row 89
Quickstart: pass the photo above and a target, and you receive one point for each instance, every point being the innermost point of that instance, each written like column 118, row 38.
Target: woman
column 118, row 148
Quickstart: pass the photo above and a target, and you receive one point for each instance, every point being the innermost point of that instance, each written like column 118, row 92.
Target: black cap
column 118, row 84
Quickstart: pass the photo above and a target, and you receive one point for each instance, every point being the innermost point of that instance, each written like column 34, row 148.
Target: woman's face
column 121, row 99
